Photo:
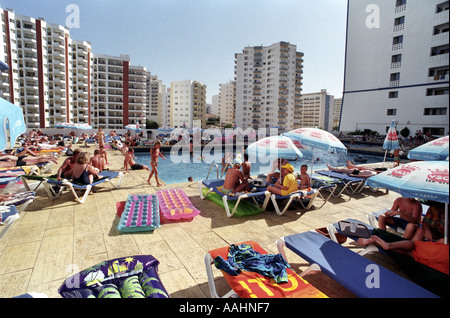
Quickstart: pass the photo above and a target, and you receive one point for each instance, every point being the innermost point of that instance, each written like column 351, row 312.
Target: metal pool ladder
column 210, row 167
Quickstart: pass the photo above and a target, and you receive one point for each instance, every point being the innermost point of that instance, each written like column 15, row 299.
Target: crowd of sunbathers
column 286, row 181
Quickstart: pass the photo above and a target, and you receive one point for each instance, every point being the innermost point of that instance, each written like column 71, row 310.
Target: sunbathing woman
column 351, row 165
column 353, row 172
column 82, row 172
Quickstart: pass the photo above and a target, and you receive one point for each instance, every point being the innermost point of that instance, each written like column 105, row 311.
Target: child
column 305, row 182
column 129, row 160
column 155, row 153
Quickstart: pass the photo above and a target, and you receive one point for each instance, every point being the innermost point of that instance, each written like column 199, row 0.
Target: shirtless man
column 65, row 170
column 234, row 180
column 353, row 172
column 408, row 209
column 246, row 167
column 129, row 160
column 97, row 161
column 155, row 153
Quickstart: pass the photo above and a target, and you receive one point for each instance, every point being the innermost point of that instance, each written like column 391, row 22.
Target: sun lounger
column 350, row 184
column 399, row 223
column 358, row 274
column 423, row 275
column 8, row 214
column 22, row 199
column 104, row 176
column 250, row 284
column 213, row 185
column 298, row 196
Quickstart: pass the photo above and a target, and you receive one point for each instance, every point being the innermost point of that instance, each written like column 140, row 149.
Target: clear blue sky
column 197, row 39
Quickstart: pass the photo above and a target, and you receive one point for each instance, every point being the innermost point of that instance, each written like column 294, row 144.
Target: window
column 393, row 94
column 398, row 39
column 437, row 91
column 399, row 20
column 392, row 112
column 396, row 58
column 437, row 111
column 395, row 77
column 435, row 131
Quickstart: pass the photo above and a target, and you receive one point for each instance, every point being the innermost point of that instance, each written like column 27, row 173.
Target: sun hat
column 289, row 167
column 237, row 161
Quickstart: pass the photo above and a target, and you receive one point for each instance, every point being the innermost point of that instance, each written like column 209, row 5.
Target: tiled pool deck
column 54, row 239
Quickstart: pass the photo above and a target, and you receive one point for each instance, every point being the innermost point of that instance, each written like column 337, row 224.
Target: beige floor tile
column 12, row 259
column 180, row 284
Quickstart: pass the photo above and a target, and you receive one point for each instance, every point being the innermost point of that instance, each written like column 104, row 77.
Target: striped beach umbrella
column 274, row 147
column 391, row 140
column 433, row 150
column 422, row 179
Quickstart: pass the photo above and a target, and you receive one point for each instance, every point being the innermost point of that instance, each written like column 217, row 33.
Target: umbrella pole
column 384, row 160
column 446, row 224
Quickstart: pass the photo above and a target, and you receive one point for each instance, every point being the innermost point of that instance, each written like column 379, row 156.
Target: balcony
column 400, row 8
column 397, row 46
column 438, row 78
column 394, row 83
column 439, row 59
column 399, row 27
column 441, row 37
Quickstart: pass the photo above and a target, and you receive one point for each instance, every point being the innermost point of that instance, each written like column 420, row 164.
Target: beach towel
column 250, row 284
column 244, row 257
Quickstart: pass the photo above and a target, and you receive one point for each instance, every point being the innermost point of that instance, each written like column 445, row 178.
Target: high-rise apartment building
column 317, row 110
column 337, row 112
column 49, row 73
column 268, row 86
column 226, row 103
column 57, row 79
column 164, row 112
column 187, row 103
column 397, row 66
column 120, row 92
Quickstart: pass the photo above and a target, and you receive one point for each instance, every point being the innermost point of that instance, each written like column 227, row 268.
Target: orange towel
column 432, row 254
column 253, row 285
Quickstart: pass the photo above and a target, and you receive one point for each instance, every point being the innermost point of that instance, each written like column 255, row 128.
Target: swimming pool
column 178, row 168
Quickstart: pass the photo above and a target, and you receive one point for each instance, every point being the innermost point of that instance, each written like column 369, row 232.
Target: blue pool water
column 178, row 168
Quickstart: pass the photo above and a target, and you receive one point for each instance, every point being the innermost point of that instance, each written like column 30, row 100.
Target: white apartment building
column 317, row 110
column 397, row 66
column 226, row 103
column 120, row 92
column 164, row 106
column 337, row 112
column 215, row 110
column 57, row 79
column 187, row 103
column 49, row 74
column 268, row 86
column 154, row 89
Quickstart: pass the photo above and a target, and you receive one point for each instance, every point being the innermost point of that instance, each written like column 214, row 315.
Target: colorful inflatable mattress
column 127, row 277
column 174, row 204
column 141, row 213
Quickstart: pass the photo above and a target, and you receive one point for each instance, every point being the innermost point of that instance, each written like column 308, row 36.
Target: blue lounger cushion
column 339, row 175
column 216, row 183
column 352, row 270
